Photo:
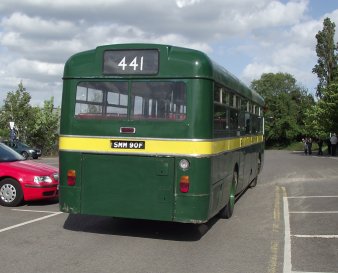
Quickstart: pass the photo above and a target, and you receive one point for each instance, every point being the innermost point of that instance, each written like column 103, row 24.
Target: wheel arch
column 9, row 177
column 23, row 189
column 19, row 189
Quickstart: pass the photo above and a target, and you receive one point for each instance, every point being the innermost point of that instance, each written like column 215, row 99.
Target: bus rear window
column 147, row 100
column 158, row 100
column 97, row 100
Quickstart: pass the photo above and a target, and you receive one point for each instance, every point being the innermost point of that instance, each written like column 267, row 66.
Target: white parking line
column 310, row 272
column 41, row 211
column 287, row 236
column 316, row 236
column 274, row 247
column 318, row 212
column 31, row 221
column 311, row 196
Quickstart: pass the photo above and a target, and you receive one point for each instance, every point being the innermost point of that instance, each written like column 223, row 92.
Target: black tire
column 228, row 210
column 254, row 182
column 25, row 154
column 11, row 194
column 259, row 166
column 35, row 157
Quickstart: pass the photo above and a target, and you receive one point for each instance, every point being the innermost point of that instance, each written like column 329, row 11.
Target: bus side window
column 221, row 120
column 233, row 124
column 158, row 100
column 221, row 111
column 256, row 124
column 247, row 123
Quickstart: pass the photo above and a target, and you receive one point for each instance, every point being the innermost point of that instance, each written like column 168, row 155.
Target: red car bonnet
column 31, row 167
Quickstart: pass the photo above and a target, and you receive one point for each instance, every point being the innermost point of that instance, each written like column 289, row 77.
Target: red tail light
column 71, row 177
column 184, row 184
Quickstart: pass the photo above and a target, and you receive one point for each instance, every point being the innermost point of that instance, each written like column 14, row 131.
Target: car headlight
column 31, row 151
column 56, row 176
column 39, row 179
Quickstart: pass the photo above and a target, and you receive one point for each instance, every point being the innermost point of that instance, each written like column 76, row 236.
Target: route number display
column 131, row 62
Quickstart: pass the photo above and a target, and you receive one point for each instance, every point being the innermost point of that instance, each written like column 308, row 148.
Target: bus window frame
column 172, row 114
column 243, row 110
column 104, row 104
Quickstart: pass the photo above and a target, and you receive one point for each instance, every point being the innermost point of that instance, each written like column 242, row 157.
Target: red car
column 25, row 180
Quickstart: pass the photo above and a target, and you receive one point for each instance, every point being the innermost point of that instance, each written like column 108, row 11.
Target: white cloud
column 37, row 36
column 292, row 55
column 304, row 33
column 186, row 3
column 290, row 50
column 38, row 27
column 27, row 68
column 274, row 13
column 255, row 70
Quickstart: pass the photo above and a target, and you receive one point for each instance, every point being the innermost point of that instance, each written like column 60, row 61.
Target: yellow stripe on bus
column 157, row 146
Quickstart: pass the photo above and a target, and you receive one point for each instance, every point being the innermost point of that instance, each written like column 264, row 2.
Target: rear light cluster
column 184, row 184
column 71, row 177
column 184, row 180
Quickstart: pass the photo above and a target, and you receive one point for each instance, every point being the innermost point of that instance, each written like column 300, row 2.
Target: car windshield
column 9, row 155
column 23, row 145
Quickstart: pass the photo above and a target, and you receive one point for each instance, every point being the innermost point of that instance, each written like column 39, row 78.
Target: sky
column 247, row 37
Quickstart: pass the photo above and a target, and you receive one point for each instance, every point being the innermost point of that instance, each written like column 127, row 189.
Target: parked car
column 23, row 149
column 25, row 180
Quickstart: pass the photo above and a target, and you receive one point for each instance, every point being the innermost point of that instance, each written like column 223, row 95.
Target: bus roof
column 174, row 63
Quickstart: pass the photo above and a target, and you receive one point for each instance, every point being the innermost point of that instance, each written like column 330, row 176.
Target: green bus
column 156, row 132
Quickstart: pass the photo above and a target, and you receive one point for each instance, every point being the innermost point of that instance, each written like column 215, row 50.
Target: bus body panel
column 223, row 168
column 192, row 209
column 127, row 186
column 194, row 206
column 70, row 200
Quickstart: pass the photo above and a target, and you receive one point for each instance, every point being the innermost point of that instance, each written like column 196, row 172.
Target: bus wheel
column 10, row 193
column 228, row 210
column 259, row 165
column 254, row 182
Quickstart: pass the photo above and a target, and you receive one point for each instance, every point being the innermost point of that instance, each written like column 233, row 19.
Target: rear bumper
column 35, row 154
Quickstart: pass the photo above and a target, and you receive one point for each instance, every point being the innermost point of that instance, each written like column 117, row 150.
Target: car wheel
column 35, row 157
column 25, row 155
column 11, row 193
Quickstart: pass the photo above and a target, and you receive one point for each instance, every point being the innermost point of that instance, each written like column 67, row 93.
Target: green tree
column 286, row 103
column 36, row 126
column 313, row 125
column 329, row 104
column 44, row 132
column 17, row 109
column 323, row 117
column 326, row 68
column 3, row 134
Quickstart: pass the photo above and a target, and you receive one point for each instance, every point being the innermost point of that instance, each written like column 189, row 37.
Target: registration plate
column 122, row 144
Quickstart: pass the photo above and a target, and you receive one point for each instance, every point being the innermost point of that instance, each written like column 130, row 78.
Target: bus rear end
column 119, row 185
column 129, row 142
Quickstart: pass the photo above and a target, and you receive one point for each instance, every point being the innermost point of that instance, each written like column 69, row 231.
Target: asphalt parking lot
column 311, row 232
column 288, row 223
